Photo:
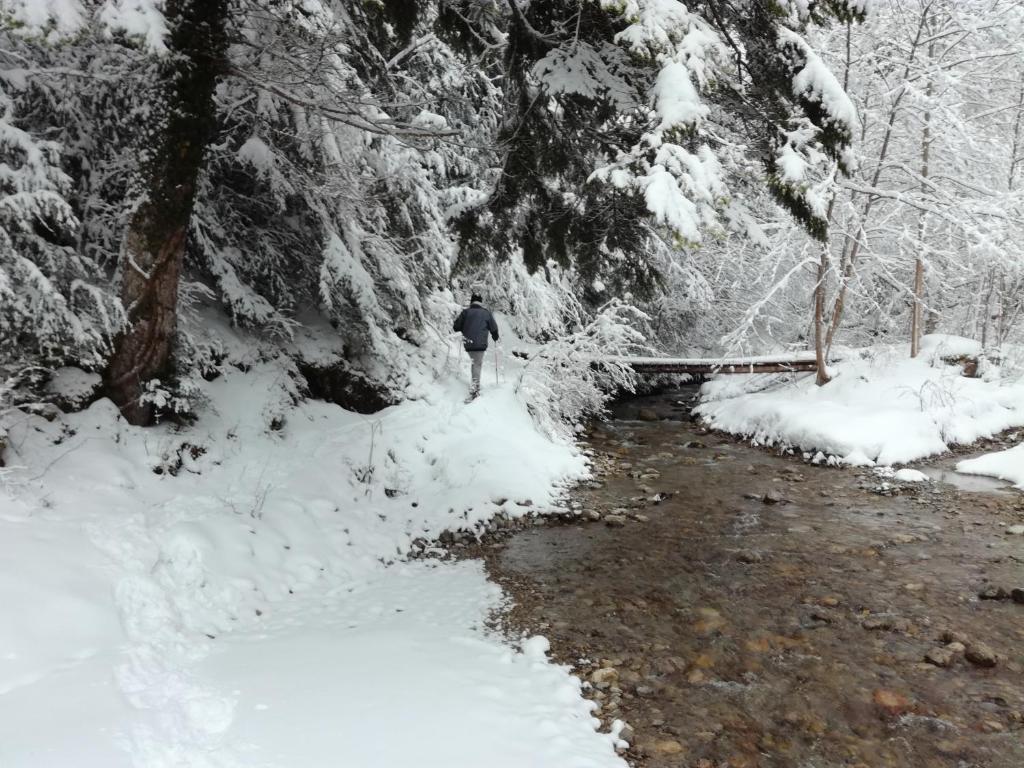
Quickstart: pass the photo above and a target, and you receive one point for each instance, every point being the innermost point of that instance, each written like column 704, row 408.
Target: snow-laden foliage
column 574, row 376
column 328, row 189
column 936, row 183
column 631, row 123
column 332, row 184
column 54, row 304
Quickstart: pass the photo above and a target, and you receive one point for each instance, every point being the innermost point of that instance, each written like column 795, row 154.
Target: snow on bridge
column 776, row 363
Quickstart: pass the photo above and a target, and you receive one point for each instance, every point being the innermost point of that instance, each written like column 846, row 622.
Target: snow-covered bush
column 575, row 376
column 540, row 305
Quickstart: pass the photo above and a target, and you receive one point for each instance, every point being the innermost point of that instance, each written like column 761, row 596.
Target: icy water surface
column 732, row 632
column 964, row 482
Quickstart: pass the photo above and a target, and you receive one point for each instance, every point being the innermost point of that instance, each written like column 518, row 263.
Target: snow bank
column 218, row 595
column 1006, row 465
column 880, row 408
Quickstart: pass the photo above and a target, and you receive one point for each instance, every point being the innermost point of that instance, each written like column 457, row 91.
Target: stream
column 738, row 607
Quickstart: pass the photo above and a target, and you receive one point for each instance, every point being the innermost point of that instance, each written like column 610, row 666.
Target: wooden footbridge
column 700, row 366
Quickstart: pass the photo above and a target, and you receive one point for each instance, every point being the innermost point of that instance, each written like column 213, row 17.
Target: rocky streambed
column 739, row 608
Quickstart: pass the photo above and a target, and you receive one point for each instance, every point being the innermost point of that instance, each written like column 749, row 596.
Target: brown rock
column 885, row 623
column 664, row 666
column 605, row 675
column 710, row 621
column 942, row 656
column 994, row 593
column 750, row 558
column 980, row 655
column 952, row 636
column 666, row 747
column 892, row 702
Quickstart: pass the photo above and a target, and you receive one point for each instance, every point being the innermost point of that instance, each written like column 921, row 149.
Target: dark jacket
column 475, row 321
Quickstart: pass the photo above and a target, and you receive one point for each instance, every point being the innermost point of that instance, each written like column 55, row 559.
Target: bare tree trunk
column 1009, row 298
column 915, row 318
column 916, row 321
column 155, row 241
column 820, row 354
column 986, row 309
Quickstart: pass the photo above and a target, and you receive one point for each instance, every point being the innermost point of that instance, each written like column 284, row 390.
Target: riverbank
column 881, row 408
column 741, row 607
column 236, row 593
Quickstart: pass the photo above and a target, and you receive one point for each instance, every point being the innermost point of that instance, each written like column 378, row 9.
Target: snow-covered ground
column 235, row 593
column 1006, row 465
column 882, row 407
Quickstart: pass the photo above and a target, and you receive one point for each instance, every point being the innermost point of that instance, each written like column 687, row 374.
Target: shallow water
column 745, row 633
column 970, row 483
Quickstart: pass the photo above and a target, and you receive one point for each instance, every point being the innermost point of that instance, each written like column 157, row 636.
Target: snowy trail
column 400, row 671
column 243, row 612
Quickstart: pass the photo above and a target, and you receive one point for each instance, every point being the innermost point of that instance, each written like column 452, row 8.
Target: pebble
column 980, row 655
column 615, row 521
column 665, row 666
column 606, row 675
column 886, row 623
column 666, row 747
column 892, row 702
column 994, row 593
column 941, row 656
column 952, row 636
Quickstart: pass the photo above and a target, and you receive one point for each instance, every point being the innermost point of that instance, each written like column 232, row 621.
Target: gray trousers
column 477, row 361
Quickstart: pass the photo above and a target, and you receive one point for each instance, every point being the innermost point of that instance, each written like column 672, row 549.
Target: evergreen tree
column 663, row 102
column 173, row 149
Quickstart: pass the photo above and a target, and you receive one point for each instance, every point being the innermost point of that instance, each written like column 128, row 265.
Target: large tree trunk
column 155, row 241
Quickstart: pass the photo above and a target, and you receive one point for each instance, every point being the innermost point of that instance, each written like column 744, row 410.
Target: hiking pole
column 497, row 380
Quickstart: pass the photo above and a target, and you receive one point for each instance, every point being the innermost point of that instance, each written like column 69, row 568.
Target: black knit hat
column 476, row 298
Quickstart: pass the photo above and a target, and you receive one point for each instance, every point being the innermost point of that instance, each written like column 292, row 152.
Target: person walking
column 475, row 322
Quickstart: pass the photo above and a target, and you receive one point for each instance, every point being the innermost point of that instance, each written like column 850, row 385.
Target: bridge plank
column 777, row 363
